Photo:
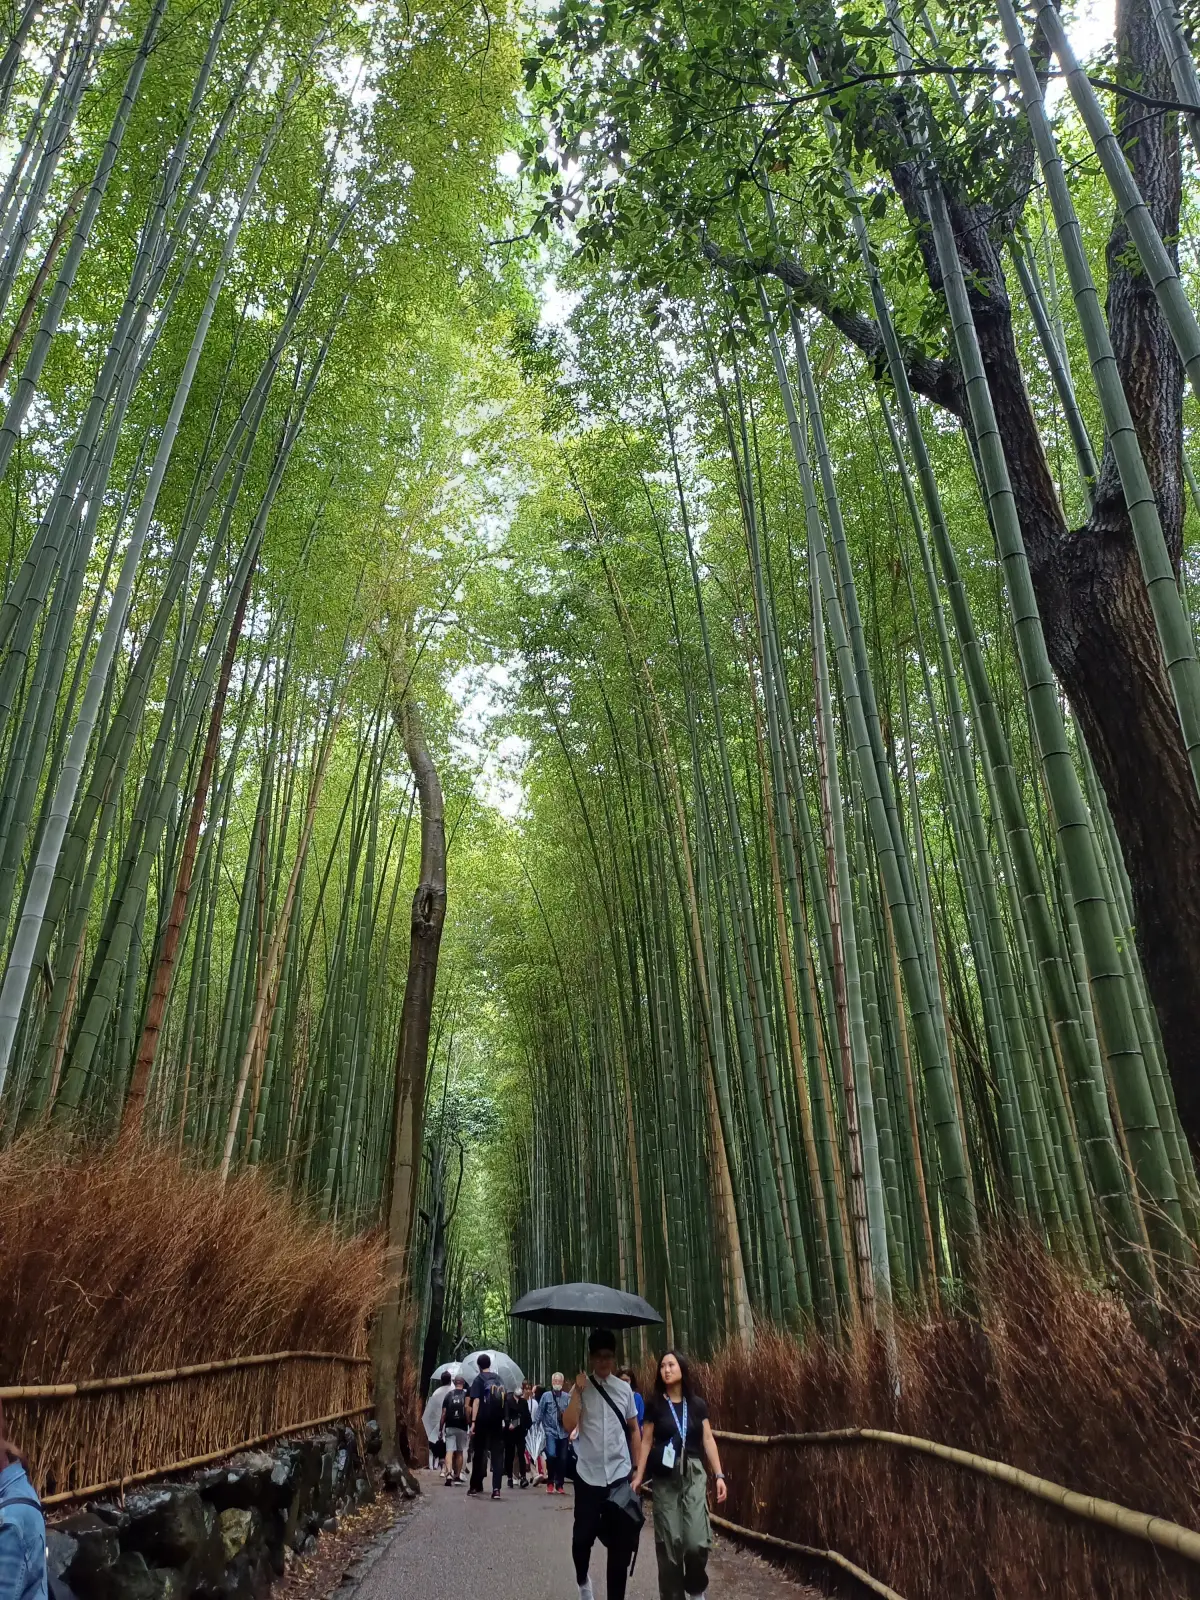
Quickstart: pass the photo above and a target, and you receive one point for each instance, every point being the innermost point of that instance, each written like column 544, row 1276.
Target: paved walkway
column 518, row 1548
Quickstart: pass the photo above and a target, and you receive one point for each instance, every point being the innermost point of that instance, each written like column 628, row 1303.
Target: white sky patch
column 479, row 694
column 557, row 303
column 1090, row 26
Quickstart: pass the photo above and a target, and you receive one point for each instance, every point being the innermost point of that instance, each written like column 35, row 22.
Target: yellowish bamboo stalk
column 91, row 1490
column 137, row 1380
column 831, row 1556
column 1137, row 1524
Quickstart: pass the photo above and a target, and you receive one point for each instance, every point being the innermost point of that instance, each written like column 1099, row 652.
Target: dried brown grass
column 1057, row 1380
column 123, row 1260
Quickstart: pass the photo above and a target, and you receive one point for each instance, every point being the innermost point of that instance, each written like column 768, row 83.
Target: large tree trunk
column 1099, row 628
column 412, row 1055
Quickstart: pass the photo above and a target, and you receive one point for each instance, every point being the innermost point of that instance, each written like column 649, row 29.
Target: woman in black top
column 677, row 1441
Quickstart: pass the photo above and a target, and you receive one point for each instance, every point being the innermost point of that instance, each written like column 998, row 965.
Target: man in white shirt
column 604, row 1450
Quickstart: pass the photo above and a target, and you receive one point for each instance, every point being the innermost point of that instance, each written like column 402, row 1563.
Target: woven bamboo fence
column 1153, row 1530
column 131, row 1426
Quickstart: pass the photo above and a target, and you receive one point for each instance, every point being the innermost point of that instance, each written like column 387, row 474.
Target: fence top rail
column 814, row 1551
column 138, row 1380
column 1137, row 1524
column 118, row 1485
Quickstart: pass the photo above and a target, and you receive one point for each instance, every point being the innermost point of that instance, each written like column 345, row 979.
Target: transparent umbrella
column 452, row 1367
column 505, row 1368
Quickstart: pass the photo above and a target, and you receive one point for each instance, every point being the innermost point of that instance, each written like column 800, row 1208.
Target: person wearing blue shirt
column 22, row 1529
column 550, row 1411
column 631, row 1379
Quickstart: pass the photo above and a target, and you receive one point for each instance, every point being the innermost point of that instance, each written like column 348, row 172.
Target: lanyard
column 681, row 1426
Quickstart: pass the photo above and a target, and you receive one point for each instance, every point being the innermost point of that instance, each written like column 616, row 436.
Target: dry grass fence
column 120, row 1261
column 1061, row 1384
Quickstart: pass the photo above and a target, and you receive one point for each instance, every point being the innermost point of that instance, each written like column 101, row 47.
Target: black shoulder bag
column 626, row 1505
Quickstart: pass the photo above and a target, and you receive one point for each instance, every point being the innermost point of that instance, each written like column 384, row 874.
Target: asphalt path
column 519, row 1548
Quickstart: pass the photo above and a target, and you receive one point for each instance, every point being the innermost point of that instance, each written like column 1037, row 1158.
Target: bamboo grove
column 243, row 285
column 826, row 568
column 843, row 900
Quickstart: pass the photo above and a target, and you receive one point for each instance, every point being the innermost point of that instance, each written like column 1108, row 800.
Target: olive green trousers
column 682, row 1532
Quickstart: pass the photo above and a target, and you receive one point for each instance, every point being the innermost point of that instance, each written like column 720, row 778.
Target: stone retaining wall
column 221, row 1534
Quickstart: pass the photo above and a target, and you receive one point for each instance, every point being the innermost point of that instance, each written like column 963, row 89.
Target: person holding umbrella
column 677, row 1441
column 602, row 1408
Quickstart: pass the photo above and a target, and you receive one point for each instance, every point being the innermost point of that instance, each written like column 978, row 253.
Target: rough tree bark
column 412, row 1056
column 1099, row 627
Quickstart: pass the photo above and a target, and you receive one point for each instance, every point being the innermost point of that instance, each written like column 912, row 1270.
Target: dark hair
column 660, row 1388
column 445, row 1378
column 484, row 1363
column 8, row 1450
column 630, row 1377
column 601, row 1339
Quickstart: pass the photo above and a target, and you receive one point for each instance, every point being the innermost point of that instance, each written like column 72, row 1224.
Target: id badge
column 668, row 1455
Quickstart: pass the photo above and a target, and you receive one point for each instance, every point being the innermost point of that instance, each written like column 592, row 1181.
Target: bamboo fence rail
column 117, row 1484
column 134, row 1380
column 790, row 1545
column 1137, row 1524
column 96, row 1434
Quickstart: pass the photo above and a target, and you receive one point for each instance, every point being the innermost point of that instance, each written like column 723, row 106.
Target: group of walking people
column 612, row 1442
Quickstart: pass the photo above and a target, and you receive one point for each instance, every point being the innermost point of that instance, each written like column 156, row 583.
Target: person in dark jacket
column 516, row 1426
column 487, row 1427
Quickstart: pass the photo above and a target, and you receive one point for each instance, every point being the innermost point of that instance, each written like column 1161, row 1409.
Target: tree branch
column 937, row 380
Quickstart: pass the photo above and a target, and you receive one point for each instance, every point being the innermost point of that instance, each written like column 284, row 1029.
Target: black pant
column 488, row 1444
column 514, row 1452
column 590, row 1516
column 556, row 1463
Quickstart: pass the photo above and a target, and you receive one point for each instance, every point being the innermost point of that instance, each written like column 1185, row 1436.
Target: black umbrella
column 584, row 1305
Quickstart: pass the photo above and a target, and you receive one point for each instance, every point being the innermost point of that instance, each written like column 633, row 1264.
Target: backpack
column 456, row 1408
column 491, row 1407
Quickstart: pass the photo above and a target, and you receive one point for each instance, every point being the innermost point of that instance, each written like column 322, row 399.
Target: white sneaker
column 585, row 1590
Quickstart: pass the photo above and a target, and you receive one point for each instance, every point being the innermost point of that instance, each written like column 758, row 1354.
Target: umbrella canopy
column 431, row 1418
column 505, row 1368
column 584, row 1305
column 452, row 1367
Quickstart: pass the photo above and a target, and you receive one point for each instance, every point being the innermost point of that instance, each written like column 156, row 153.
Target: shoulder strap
column 612, row 1406
column 25, row 1500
